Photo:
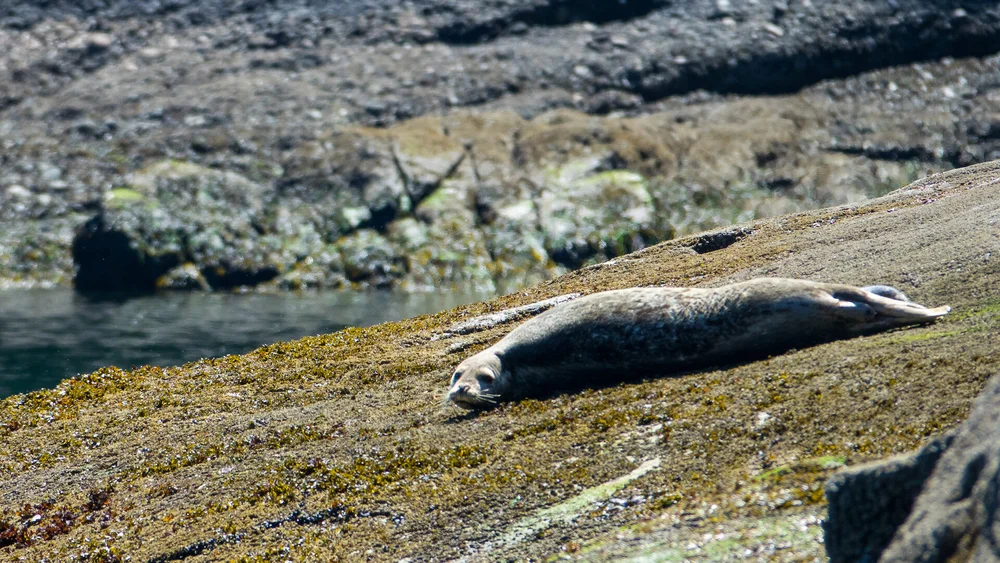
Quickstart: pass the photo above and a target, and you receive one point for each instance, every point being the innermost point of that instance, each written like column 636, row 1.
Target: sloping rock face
column 938, row 504
column 338, row 446
column 501, row 128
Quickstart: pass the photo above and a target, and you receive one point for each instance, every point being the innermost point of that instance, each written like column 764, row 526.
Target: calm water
column 48, row 335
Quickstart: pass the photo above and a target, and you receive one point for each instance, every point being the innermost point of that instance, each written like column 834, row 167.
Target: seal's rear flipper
column 886, row 291
column 853, row 310
column 881, row 308
column 891, row 312
column 905, row 311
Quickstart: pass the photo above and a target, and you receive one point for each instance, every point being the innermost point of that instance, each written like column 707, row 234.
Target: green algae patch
column 339, row 446
column 804, row 466
column 793, row 537
column 569, row 510
column 120, row 197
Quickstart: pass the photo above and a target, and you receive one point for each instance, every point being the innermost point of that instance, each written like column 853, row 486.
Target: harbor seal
column 629, row 333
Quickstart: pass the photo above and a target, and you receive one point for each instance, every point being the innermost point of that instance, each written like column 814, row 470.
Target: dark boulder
column 171, row 214
column 938, row 504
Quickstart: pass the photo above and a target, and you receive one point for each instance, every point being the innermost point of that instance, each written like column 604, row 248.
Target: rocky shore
column 337, row 447
column 433, row 143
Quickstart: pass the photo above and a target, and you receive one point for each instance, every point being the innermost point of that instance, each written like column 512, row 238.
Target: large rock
column 505, row 201
column 939, row 504
column 338, row 447
column 342, row 182
column 174, row 213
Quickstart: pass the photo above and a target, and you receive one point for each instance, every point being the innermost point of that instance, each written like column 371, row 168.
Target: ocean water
column 49, row 335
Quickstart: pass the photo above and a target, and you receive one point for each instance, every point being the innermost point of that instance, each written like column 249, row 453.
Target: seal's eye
column 486, row 377
column 455, row 377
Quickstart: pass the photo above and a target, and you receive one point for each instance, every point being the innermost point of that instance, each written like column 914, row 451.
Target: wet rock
column 938, row 504
column 184, row 277
column 174, row 213
column 370, row 260
column 425, row 154
column 345, row 181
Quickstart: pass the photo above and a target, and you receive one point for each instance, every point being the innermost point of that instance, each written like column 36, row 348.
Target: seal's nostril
column 463, row 388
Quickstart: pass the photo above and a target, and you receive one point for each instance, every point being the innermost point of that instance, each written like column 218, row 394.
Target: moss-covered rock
column 370, row 259
column 174, row 213
column 345, row 181
column 588, row 213
column 506, row 201
column 426, row 155
column 338, row 446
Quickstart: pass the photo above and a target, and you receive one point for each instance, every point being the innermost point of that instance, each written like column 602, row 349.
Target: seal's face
column 478, row 382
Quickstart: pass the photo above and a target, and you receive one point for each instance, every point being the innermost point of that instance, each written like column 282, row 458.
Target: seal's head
column 478, row 382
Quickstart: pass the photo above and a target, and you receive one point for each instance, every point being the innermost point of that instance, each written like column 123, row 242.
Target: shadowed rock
column 174, row 213
column 939, row 504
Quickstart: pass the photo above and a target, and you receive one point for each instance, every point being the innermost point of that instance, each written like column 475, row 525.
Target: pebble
column 99, row 40
column 86, row 127
column 50, row 173
column 773, row 29
column 150, row 53
column 18, row 191
column 195, row 120
column 261, row 41
column 582, row 71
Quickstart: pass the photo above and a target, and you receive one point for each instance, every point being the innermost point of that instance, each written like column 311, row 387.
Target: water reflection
column 48, row 335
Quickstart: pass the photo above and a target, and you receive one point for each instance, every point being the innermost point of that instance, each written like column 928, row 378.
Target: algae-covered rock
column 369, row 258
column 504, row 201
column 173, row 213
column 585, row 212
column 345, row 181
column 338, row 446
column 426, row 155
column 184, row 277
column 35, row 253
